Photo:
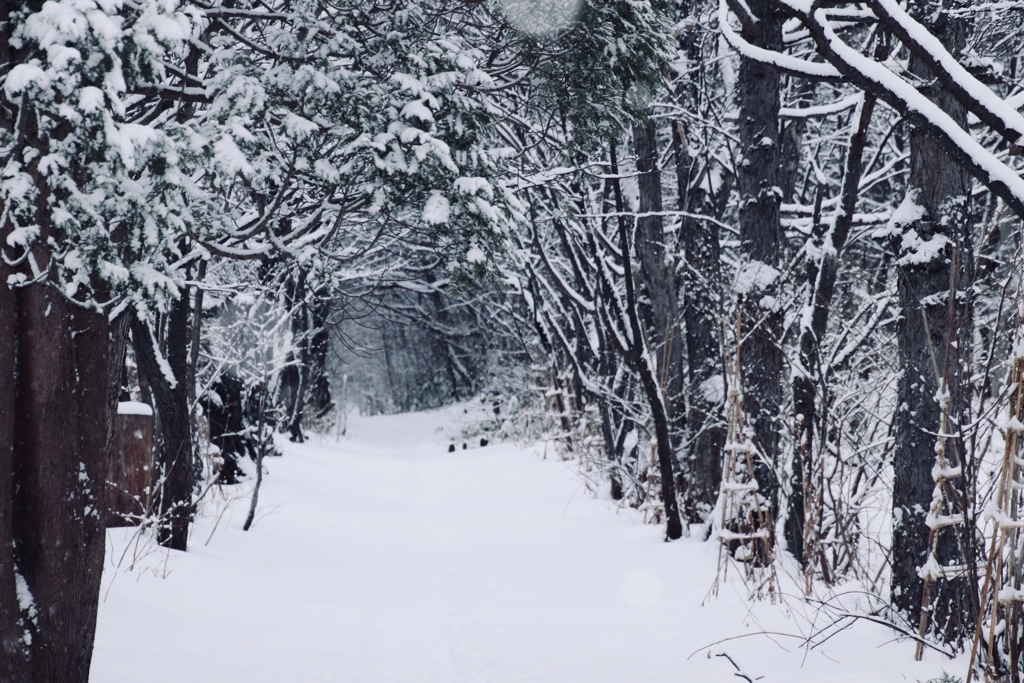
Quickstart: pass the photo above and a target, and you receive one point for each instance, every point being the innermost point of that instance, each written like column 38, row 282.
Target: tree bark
column 196, row 336
column 318, row 400
column 934, row 340
column 700, row 302
column 294, row 378
column 644, row 365
column 657, row 295
column 130, row 471
column 55, row 418
column 14, row 653
column 706, row 386
column 761, row 357
column 54, row 446
column 175, row 461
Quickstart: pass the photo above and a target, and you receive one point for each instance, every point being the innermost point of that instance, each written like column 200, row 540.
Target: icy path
column 382, row 558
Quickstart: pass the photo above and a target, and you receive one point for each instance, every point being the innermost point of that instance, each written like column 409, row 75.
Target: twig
column 739, row 672
column 744, row 635
column 901, row 631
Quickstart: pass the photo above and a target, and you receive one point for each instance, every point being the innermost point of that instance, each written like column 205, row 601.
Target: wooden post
column 130, row 477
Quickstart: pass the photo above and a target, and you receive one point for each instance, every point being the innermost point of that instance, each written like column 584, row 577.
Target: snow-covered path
column 383, row 558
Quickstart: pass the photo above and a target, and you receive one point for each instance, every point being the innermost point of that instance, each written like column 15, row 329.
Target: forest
column 753, row 266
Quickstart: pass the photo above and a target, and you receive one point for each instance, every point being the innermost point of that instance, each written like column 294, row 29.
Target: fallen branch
column 901, row 631
column 739, row 672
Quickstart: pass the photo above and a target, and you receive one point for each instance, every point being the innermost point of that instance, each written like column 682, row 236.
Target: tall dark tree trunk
column 934, row 258
column 170, row 395
column 290, row 388
column 656, row 284
column 56, row 416
column 294, row 379
column 608, row 326
column 14, row 652
column 195, row 341
column 611, row 397
column 119, row 331
column 758, row 283
column 318, row 398
column 642, row 361
column 54, row 446
column 701, row 294
column 701, row 306
column 14, row 659
column 791, row 138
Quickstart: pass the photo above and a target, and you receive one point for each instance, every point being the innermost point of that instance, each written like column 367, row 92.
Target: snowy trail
column 383, row 558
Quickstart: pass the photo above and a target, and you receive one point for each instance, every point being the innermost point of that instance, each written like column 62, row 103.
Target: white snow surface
column 713, row 389
column 437, row 209
column 381, row 557
column 134, row 408
column 754, row 276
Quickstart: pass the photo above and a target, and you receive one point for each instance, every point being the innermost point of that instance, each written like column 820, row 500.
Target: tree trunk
column 318, row 399
column 294, row 378
column 610, row 396
column 261, row 450
column 116, row 372
column 758, row 285
column 934, row 342
column 700, row 282
column 643, row 363
column 54, row 445
column 55, row 419
column 656, row 285
column 14, row 652
column 175, row 461
column 701, row 306
column 196, row 336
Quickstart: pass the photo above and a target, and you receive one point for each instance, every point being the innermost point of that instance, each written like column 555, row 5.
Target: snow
column 713, row 389
column 26, row 601
column 383, row 558
column 985, row 162
column 541, row 18
column 784, row 62
column 906, row 214
column 473, row 186
column 230, row 157
column 298, row 126
column 437, row 209
column 417, row 110
column 21, row 76
column 90, row 99
column 822, row 109
column 134, row 408
column 754, row 276
column 915, row 248
column 1009, row 117
column 918, row 250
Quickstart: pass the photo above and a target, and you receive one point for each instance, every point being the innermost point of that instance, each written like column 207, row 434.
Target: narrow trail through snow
column 381, row 557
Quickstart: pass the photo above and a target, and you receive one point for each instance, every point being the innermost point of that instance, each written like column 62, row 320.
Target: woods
column 753, row 266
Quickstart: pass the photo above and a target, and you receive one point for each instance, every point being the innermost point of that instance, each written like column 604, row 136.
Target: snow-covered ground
column 381, row 557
